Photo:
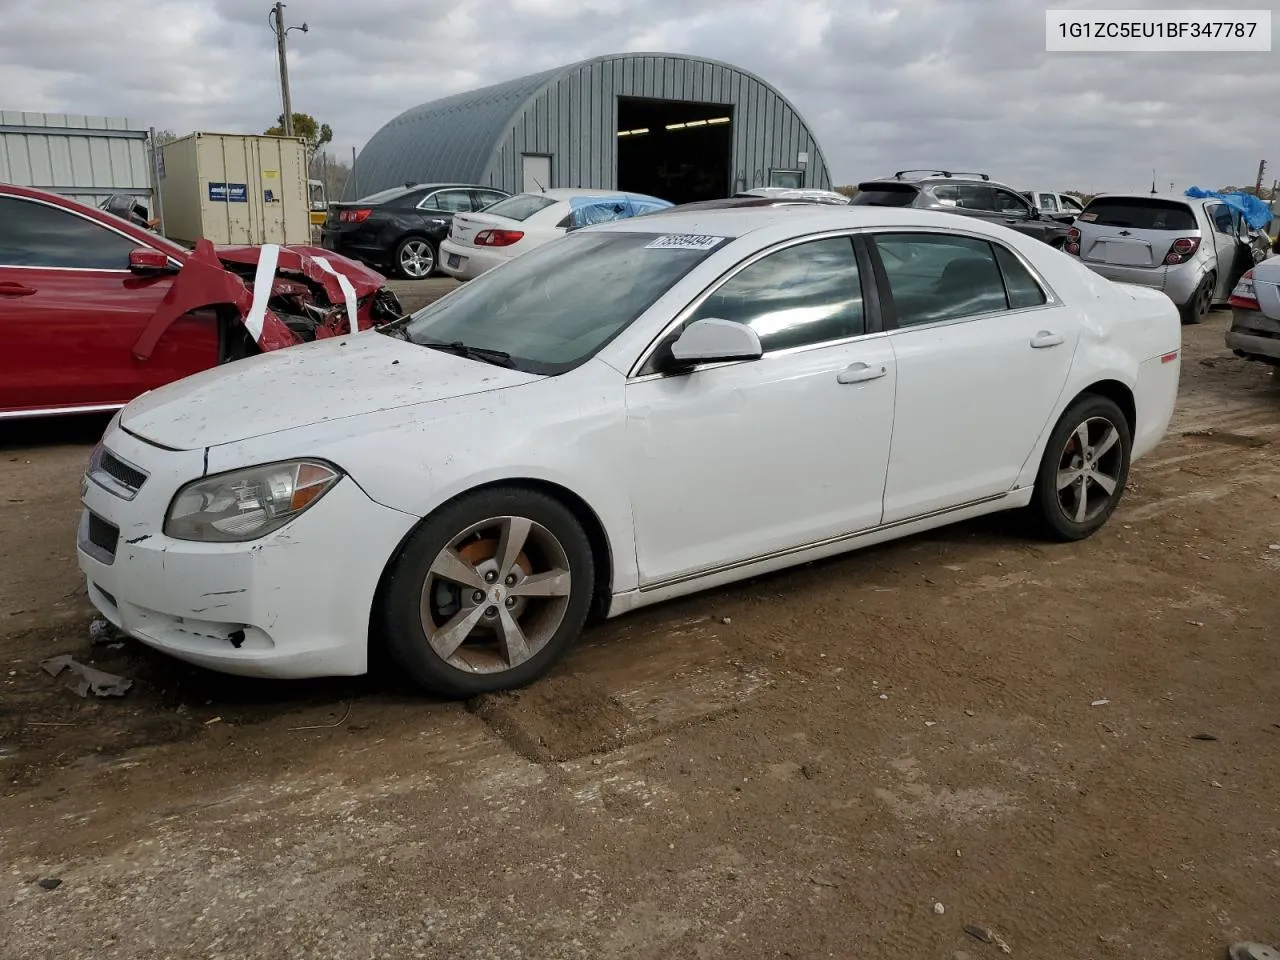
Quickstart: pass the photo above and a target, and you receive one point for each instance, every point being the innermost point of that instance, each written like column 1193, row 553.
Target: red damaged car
column 95, row 310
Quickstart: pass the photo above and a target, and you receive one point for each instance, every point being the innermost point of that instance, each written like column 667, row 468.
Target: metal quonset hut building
column 676, row 127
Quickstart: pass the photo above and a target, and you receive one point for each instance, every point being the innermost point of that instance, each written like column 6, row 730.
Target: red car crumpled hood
column 206, row 280
column 302, row 259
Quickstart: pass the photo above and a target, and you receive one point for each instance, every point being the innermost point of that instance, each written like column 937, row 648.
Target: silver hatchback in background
column 1195, row 250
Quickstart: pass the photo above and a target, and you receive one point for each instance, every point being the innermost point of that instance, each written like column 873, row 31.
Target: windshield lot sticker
column 684, row 241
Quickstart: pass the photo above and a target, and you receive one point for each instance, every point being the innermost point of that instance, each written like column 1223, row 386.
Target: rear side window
column 1140, row 213
column 885, row 195
column 1021, row 288
column 935, row 277
column 520, row 207
column 806, row 294
column 38, row 235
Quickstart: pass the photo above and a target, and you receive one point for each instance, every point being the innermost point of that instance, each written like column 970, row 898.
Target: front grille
column 103, row 534
column 116, row 468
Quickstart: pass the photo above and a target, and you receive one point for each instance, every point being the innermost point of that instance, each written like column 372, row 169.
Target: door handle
column 860, row 373
column 9, row 288
column 1046, row 339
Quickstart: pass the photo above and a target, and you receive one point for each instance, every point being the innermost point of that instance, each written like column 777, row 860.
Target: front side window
column 805, row 294
column 1223, row 221
column 934, row 276
column 1009, row 203
column 38, row 235
column 556, row 306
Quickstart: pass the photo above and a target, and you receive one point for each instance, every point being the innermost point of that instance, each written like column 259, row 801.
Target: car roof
column 804, row 217
column 1174, row 197
column 568, row 193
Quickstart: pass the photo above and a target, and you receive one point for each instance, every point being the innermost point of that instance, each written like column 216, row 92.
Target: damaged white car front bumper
column 293, row 603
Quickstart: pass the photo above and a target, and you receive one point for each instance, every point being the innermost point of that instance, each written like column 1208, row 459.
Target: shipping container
column 86, row 158
column 235, row 188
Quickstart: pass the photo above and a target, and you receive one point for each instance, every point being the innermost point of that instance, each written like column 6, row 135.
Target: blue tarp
column 1257, row 213
column 586, row 211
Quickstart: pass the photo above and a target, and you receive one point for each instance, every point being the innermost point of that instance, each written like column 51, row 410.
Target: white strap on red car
column 348, row 293
column 263, row 280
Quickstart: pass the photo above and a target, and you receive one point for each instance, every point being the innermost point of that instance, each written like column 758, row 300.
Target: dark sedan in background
column 400, row 229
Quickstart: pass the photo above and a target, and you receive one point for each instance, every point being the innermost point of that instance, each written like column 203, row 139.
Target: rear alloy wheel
column 415, row 258
column 1198, row 305
column 1084, row 469
column 489, row 592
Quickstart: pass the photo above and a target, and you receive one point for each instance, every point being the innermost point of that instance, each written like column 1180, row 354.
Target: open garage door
column 677, row 150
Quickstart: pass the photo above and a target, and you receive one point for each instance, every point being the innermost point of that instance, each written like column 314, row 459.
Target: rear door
column 71, row 312
column 983, row 352
column 1133, row 231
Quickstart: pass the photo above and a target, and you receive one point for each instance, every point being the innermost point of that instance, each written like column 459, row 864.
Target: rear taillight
column 1182, row 250
column 356, row 216
column 1073, row 241
column 1244, row 295
column 497, row 238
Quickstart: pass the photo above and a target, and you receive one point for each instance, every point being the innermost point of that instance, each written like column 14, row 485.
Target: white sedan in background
column 478, row 242
column 630, row 413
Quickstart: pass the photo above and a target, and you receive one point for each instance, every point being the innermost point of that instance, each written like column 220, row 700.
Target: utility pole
column 276, row 19
column 1262, row 168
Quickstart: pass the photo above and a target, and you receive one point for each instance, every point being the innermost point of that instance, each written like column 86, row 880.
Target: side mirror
column 148, row 262
column 712, row 340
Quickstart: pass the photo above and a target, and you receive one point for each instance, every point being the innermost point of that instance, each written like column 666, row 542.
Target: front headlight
column 247, row 504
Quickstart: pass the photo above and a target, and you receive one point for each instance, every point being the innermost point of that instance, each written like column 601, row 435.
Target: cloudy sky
column 885, row 85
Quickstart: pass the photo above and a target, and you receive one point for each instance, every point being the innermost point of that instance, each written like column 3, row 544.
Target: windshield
column 520, row 207
column 555, row 307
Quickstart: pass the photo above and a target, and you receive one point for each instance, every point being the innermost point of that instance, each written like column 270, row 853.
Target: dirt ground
column 1071, row 747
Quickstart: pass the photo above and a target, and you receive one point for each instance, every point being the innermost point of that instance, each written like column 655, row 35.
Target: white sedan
column 478, row 242
column 631, row 413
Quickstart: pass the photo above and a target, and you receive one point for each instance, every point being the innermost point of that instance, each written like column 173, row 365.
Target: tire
column 1195, row 308
column 1055, row 507
column 415, row 258
column 452, row 644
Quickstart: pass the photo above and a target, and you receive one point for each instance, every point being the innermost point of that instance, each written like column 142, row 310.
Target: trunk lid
column 465, row 226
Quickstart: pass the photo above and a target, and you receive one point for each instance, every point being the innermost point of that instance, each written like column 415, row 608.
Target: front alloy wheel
column 489, row 592
column 1084, row 469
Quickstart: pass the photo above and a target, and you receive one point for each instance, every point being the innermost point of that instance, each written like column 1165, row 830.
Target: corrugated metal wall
column 575, row 120
column 88, row 158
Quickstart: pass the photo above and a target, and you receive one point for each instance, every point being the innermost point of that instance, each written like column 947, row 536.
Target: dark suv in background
column 400, row 229
column 971, row 194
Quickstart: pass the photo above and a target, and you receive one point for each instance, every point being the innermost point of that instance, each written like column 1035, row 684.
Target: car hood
column 326, row 380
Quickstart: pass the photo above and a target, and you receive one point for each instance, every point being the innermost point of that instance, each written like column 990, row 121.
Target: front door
column 734, row 461
column 982, row 356
column 71, row 312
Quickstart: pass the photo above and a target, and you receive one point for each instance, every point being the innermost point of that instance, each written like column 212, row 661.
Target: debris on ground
column 84, row 679
column 987, row 935
column 49, row 883
column 810, row 770
column 1100, row 703
column 939, row 909
column 1203, row 736
column 102, row 633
